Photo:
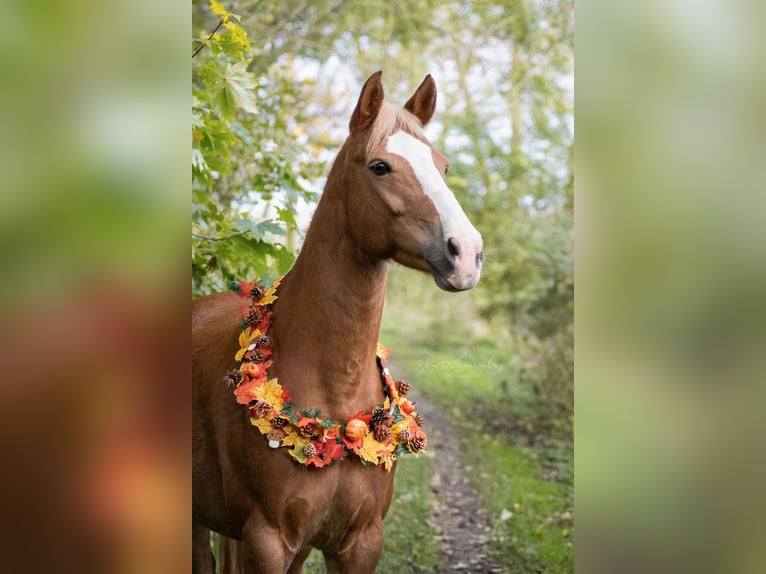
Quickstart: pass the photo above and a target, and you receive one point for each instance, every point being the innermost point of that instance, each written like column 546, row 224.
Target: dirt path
column 458, row 519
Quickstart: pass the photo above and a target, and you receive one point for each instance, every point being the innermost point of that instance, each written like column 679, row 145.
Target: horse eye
column 446, row 169
column 380, row 168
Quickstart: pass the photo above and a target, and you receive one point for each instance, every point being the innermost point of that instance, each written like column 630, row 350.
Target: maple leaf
column 265, row 323
column 352, row 445
column 271, row 294
column 296, row 452
column 263, row 425
column 290, row 437
column 247, row 392
column 372, row 449
column 388, row 463
column 246, row 287
column 317, row 461
column 334, row 451
column 271, row 392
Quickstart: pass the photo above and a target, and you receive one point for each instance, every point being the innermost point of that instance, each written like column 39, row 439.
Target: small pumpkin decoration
column 356, row 429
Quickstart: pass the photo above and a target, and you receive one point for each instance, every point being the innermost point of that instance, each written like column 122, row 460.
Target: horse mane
column 390, row 120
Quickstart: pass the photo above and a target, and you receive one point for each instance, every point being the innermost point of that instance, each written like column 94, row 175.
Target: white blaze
column 454, row 221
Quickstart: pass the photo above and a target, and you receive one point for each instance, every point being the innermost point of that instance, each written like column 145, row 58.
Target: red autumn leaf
column 353, row 445
column 334, row 451
column 245, row 287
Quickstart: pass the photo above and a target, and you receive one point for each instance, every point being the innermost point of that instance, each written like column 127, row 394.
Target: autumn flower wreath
column 377, row 436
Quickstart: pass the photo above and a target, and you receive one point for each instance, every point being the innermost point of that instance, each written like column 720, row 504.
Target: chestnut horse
column 386, row 198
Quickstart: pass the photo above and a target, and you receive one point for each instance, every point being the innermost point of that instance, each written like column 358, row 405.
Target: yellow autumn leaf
column 217, row 8
column 291, row 437
column 297, row 451
column 263, row 425
column 372, row 450
column 369, row 450
column 271, row 392
column 398, row 428
column 245, row 338
column 271, row 294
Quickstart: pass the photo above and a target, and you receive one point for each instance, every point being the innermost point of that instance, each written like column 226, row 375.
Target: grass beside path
column 528, row 490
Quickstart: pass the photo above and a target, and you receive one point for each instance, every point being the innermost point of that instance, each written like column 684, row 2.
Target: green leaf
column 287, row 216
column 236, row 91
column 270, row 227
column 256, row 230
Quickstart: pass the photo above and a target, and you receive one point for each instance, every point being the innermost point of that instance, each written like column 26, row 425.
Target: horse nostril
column 479, row 258
column 452, row 247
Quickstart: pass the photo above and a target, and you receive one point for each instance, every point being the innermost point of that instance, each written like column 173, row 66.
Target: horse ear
column 423, row 102
column 368, row 106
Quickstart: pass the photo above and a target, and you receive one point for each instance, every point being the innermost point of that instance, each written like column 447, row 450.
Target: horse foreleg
column 202, row 557
column 359, row 553
column 266, row 553
column 297, row 566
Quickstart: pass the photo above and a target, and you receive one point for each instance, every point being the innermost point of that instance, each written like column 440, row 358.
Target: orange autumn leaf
column 246, row 392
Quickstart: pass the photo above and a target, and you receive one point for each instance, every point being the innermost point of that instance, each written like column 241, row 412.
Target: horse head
column 400, row 206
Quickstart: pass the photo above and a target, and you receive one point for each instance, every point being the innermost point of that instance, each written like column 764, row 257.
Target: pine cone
column 382, row 433
column 417, row 442
column 418, row 419
column 309, row 430
column 379, row 417
column 278, row 422
column 259, row 409
column 253, row 316
column 257, row 356
column 232, row 378
column 309, row 450
column 264, row 341
column 403, row 387
column 404, row 435
column 256, row 293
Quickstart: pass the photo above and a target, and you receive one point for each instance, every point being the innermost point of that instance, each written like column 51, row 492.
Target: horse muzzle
column 456, row 265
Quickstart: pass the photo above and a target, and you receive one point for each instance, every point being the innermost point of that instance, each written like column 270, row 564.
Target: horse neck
column 328, row 315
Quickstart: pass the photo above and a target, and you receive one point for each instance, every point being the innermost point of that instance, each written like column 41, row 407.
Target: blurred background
column 94, row 213
column 272, row 95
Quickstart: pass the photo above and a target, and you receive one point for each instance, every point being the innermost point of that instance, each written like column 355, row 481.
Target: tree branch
column 208, row 39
